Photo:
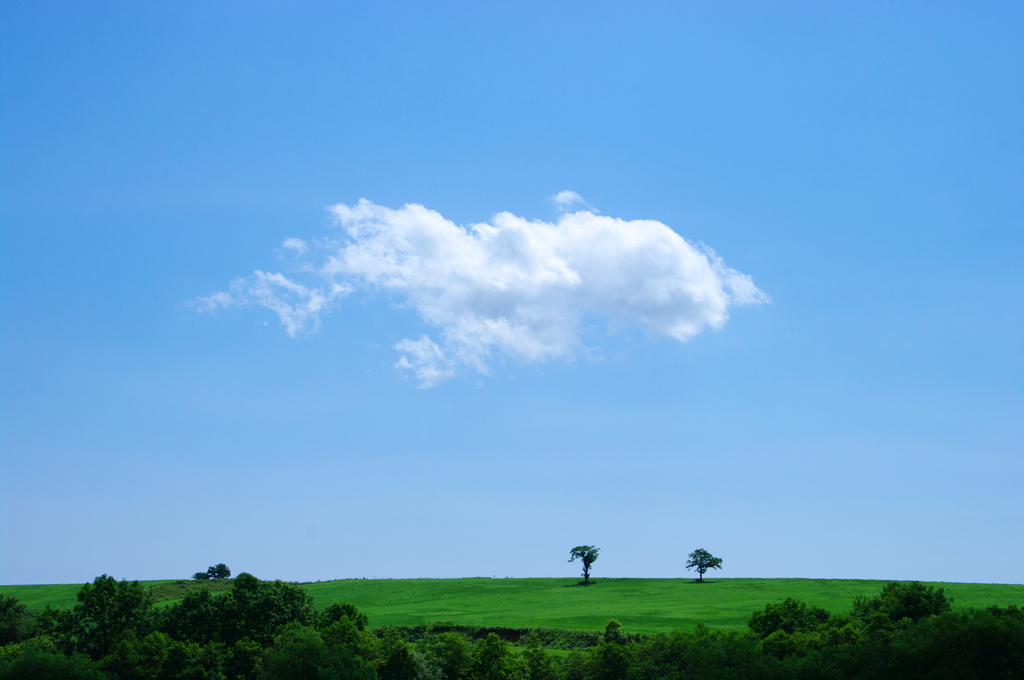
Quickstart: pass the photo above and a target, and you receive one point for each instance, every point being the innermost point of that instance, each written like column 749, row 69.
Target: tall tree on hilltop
column 586, row 554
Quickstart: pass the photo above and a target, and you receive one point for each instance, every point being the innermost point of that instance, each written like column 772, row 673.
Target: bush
column 447, row 656
column 35, row 664
column 974, row 644
column 14, row 623
column 899, row 601
column 300, row 652
column 340, row 610
column 789, row 616
column 492, row 660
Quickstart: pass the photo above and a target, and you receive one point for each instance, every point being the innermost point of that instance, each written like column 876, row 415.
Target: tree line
column 270, row 630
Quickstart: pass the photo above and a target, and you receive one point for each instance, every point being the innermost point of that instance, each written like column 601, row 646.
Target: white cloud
column 210, row 303
column 511, row 287
column 428, row 361
column 298, row 306
column 296, row 244
column 564, row 200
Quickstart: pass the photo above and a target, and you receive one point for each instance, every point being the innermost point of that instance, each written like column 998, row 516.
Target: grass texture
column 641, row 605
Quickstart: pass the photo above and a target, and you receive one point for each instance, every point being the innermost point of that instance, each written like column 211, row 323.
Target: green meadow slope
column 641, row 605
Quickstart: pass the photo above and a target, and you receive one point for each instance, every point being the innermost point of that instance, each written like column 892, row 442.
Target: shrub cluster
column 217, row 572
column 270, row 630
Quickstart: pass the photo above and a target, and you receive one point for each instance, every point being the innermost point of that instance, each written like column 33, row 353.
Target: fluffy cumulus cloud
column 512, row 286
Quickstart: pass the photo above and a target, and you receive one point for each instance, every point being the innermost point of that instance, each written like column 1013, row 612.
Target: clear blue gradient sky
column 862, row 162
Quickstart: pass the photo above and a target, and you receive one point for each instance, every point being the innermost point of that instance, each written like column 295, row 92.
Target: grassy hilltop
column 641, row 605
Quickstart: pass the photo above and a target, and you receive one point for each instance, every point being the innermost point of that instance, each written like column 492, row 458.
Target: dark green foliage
column 493, row 660
column 255, row 609
column 37, row 664
column 701, row 560
column 867, row 661
column 898, row 601
column 397, row 661
column 340, row 610
column 196, row 618
column 586, row 554
column 791, row 628
column 343, row 633
column 219, row 571
column 552, row 638
column 158, row 657
column 781, row 644
column 789, row 616
column 417, row 634
column 702, row 653
column 612, row 633
column 301, row 653
column 540, row 665
column 575, row 666
column 243, row 660
column 255, row 631
column 298, row 653
column 106, row 609
column 50, row 621
column 558, row 638
column 135, row 658
column 610, row 661
column 14, row 623
column 448, row 655
column 975, row 644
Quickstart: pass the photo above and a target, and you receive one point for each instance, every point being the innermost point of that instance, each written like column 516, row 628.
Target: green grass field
column 641, row 605
column 65, row 594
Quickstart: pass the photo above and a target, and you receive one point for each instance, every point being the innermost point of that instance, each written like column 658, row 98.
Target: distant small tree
column 586, row 554
column 611, row 631
column 702, row 560
column 219, row 572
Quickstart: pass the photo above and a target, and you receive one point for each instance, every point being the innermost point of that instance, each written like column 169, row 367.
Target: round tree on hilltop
column 702, row 560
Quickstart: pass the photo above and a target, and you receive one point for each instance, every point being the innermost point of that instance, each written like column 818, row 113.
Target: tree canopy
column 702, row 560
column 219, row 571
column 586, row 554
column 899, row 601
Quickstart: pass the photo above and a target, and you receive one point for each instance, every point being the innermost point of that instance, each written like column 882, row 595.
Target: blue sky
column 860, row 164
